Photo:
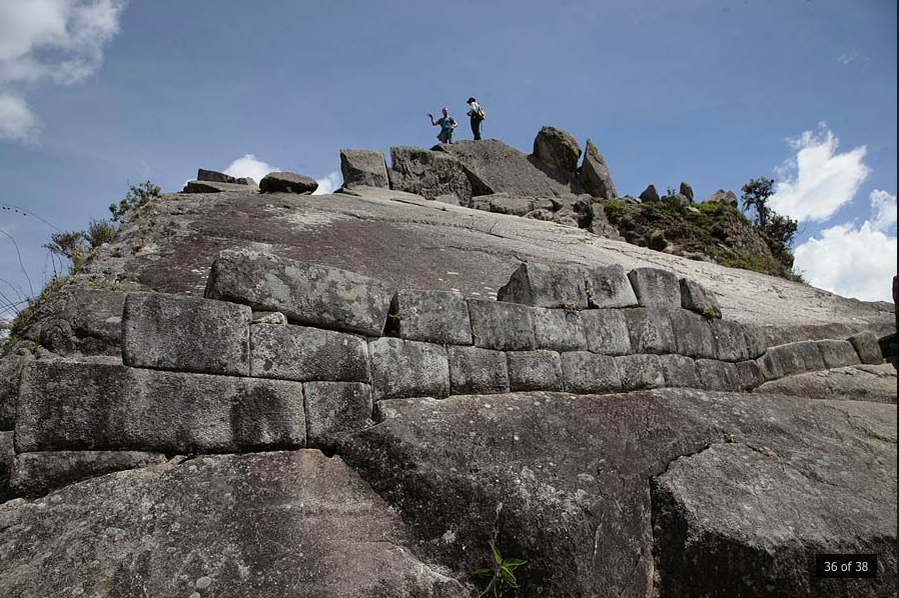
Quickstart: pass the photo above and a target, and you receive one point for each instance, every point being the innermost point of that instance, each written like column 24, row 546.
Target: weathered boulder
column 686, row 190
column 728, row 198
column 503, row 203
column 261, row 526
column 306, row 293
column 873, row 383
column 187, row 334
column 305, row 354
column 216, row 187
column 287, row 182
column 697, row 298
column 542, row 285
column 558, row 149
column 35, row 474
column 655, row 287
column 595, row 176
column 650, row 195
column 428, row 173
column 364, row 167
column 213, row 176
column 431, row 316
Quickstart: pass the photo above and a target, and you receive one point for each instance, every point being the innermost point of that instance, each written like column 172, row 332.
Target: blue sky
column 97, row 94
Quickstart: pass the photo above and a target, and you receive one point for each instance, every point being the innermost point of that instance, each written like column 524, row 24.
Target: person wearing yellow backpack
column 477, row 115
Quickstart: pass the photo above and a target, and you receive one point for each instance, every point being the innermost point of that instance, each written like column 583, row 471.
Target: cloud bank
column 48, row 41
column 250, row 166
column 329, row 184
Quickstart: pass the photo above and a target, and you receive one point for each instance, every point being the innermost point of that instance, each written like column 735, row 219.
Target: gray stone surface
column 559, row 329
column 788, row 359
column 718, row 375
column 7, row 454
column 606, row 331
column 867, row 347
column 428, row 173
column 730, row 340
column 544, row 285
column 35, row 474
column 501, row 325
column 771, row 366
column 693, row 335
column 334, row 409
column 10, row 371
column 838, row 353
column 220, row 177
column 725, row 197
column 594, row 176
column 242, row 526
column 215, row 187
column 639, row 372
column 680, row 371
column 477, row 371
column 697, row 298
column 650, row 330
column 364, row 167
column 401, row 368
column 66, row 405
column 573, row 476
column 755, row 339
column 306, row 354
column 558, row 149
column 872, row 383
column 432, row 316
column 503, row 203
column 749, row 375
column 609, row 286
column 534, row 370
column 306, row 293
column 287, row 182
column 187, row 334
column 269, row 317
column 584, row 372
column 650, row 195
column 655, row 287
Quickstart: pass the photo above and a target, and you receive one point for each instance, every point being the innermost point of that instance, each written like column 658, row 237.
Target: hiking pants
column 476, row 127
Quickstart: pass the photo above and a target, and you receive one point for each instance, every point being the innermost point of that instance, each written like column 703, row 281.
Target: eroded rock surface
column 875, row 383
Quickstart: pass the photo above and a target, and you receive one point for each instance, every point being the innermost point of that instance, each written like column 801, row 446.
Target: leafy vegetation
column 137, row 199
column 779, row 231
column 498, row 579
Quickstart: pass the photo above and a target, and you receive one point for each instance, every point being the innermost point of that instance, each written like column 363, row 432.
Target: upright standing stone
column 364, row 167
column 431, row 316
column 542, row 285
column 650, row 195
column 558, row 149
column 402, row 369
column 501, row 325
column 306, row 354
column 686, row 190
column 609, row 286
column 287, row 182
column 595, row 176
column 655, row 287
column 187, row 334
column 309, row 294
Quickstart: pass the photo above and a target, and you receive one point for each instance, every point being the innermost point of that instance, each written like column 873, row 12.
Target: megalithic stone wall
column 324, row 345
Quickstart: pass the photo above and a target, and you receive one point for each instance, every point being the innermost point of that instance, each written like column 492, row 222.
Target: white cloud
column 854, row 261
column 55, row 41
column 817, row 181
column 17, row 122
column 329, row 184
column 250, row 166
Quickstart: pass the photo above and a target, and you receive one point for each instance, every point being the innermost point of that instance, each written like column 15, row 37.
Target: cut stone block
column 269, row 317
column 475, row 371
column 559, row 329
column 867, row 347
column 717, row 375
column 90, row 406
column 655, row 288
column 692, row 334
column 639, row 372
column 585, row 373
column 305, row 354
column 838, row 353
column 756, row 343
column 542, row 285
column 10, row 372
column 730, row 342
column 749, row 375
column 698, row 299
column 809, row 353
column 309, row 294
column 680, row 371
column 770, row 366
column 364, row 167
column 432, row 316
column 7, row 455
column 35, row 474
column 650, row 331
column 403, row 369
column 786, row 359
column 334, row 409
column 287, row 182
column 606, row 331
column 501, row 325
column 187, row 334
column 534, row 370
column 609, row 286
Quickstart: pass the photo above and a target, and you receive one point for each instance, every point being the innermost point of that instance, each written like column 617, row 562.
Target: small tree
column 138, row 196
column 755, row 197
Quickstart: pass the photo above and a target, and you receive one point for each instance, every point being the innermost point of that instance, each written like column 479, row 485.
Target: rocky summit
column 452, row 363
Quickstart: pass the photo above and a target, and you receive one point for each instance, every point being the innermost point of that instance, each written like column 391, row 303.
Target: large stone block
column 609, row 286
column 584, row 372
column 717, row 375
column 730, row 341
column 559, row 329
column 88, row 406
column 810, row 355
column 543, row 285
column 7, row 455
column 838, row 353
column 606, row 331
column 187, row 334
column 680, row 371
column 867, row 347
column 697, row 298
column 786, row 360
column 534, row 370
column 10, row 372
column 558, row 149
column 287, row 182
column 305, row 354
column 402, row 369
column 595, row 176
column 650, row 330
column 309, row 294
column 476, row 371
column 756, row 341
column 749, row 375
column 364, row 167
column 35, row 474
column 334, row 409
column 655, row 287
column 770, row 366
column 428, row 173
column 431, row 316
column 692, row 334
column 501, row 325
column 638, row 372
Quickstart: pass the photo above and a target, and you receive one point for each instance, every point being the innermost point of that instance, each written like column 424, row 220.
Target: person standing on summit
column 447, row 125
column 477, row 117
